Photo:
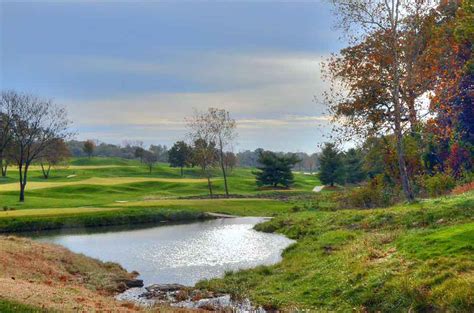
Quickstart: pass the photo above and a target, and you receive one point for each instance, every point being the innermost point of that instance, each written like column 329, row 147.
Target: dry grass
column 54, row 278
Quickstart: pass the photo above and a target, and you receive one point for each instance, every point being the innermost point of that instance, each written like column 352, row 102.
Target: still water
column 184, row 253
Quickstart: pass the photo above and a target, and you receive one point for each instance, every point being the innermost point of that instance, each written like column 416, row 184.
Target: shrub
column 438, row 184
column 376, row 193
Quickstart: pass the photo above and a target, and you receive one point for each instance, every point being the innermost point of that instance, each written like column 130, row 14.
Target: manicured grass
column 405, row 258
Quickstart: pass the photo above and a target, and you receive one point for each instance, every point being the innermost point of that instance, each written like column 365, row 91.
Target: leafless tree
column 9, row 101
column 149, row 158
column 220, row 129
column 36, row 125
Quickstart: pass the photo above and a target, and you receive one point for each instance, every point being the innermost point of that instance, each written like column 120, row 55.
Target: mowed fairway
column 98, row 187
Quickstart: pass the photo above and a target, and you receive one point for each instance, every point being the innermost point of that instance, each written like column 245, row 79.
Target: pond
column 183, row 253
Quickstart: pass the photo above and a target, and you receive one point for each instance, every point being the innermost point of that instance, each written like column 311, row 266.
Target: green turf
column 406, row 258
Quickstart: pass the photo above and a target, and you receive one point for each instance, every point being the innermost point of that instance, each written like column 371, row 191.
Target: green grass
column 416, row 257
column 91, row 184
column 7, row 306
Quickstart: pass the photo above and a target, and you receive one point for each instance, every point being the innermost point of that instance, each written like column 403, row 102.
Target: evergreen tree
column 353, row 166
column 275, row 169
column 331, row 166
column 179, row 155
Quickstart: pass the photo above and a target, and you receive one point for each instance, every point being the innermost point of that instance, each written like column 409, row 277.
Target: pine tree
column 331, row 165
column 275, row 170
column 353, row 163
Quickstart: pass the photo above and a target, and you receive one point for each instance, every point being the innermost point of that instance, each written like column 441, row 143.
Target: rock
column 164, row 287
column 133, row 283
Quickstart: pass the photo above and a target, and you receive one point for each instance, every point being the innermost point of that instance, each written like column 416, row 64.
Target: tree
column 139, row 153
column 230, row 160
column 161, row 151
column 9, row 101
column 331, row 169
column 205, row 155
column 353, row 166
column 54, row 155
column 384, row 72
column 36, row 125
column 180, row 155
column 89, row 147
column 219, row 127
column 275, row 169
column 149, row 158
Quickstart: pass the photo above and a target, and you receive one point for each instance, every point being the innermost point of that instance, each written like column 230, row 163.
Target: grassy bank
column 37, row 277
column 416, row 257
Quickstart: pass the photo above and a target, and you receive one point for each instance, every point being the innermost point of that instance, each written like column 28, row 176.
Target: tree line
column 405, row 85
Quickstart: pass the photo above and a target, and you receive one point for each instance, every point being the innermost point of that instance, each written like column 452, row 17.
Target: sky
column 136, row 70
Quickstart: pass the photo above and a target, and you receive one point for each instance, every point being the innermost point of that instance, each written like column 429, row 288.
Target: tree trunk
column 182, row 173
column 223, row 168
column 23, row 179
column 398, row 120
column 45, row 172
column 4, row 169
column 412, row 113
column 209, row 185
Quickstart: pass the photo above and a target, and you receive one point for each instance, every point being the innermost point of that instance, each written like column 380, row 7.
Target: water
column 184, row 253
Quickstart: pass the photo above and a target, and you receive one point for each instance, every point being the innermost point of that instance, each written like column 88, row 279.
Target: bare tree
column 149, row 158
column 36, row 125
column 388, row 20
column 230, row 160
column 55, row 155
column 220, row 128
column 9, row 101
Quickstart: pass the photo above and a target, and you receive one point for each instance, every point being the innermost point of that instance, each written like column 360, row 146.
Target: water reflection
column 184, row 253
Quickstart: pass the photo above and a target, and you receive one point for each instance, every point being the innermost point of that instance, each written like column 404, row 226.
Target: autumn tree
column 37, row 124
column 88, row 148
column 180, row 155
column 220, row 128
column 230, row 160
column 205, row 155
column 56, row 154
column 381, row 74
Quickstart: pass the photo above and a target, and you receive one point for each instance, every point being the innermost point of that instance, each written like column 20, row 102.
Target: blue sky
column 135, row 70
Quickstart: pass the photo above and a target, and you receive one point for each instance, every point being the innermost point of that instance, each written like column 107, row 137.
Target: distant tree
column 331, row 166
column 88, row 148
column 139, row 153
column 353, row 166
column 230, row 160
column 275, row 169
column 180, row 155
column 36, row 125
column 219, row 127
column 161, row 152
column 150, row 159
column 8, row 104
column 205, row 155
column 54, row 155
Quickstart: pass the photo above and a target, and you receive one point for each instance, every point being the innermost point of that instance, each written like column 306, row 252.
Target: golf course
column 391, row 259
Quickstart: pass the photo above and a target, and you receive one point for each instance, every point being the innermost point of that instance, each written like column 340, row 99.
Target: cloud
column 271, row 92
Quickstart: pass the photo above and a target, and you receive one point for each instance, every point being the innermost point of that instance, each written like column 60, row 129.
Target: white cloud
column 272, row 92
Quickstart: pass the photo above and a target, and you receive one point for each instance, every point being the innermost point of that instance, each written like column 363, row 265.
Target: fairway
column 98, row 181
column 52, row 212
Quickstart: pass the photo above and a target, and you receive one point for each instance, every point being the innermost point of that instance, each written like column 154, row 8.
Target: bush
column 438, row 184
column 376, row 193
